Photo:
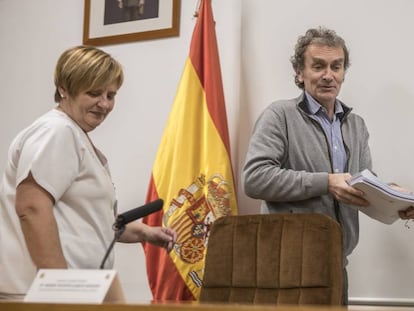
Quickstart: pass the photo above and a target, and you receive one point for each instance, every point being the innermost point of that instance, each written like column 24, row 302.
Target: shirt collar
column 314, row 106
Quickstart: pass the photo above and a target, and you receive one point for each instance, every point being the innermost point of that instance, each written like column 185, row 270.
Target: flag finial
column 197, row 9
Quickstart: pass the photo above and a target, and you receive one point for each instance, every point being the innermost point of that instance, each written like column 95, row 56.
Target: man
column 303, row 150
column 132, row 9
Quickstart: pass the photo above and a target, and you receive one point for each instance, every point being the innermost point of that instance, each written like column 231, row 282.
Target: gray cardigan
column 288, row 161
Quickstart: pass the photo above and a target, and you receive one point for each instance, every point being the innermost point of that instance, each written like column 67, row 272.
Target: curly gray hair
column 320, row 35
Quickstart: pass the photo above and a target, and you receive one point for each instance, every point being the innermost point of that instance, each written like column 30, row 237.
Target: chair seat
column 274, row 258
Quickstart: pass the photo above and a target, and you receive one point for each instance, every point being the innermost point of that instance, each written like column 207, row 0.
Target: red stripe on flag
column 157, row 260
column 206, row 61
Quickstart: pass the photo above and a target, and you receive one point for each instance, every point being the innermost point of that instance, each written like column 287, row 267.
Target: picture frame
column 109, row 22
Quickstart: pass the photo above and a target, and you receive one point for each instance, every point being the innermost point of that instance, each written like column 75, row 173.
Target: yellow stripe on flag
column 199, row 180
column 199, row 148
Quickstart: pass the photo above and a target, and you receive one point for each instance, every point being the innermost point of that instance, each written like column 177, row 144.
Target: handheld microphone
column 125, row 218
column 137, row 213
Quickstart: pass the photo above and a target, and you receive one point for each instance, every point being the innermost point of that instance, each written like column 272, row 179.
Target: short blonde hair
column 83, row 68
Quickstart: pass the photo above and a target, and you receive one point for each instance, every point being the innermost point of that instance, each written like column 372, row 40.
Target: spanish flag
column 192, row 171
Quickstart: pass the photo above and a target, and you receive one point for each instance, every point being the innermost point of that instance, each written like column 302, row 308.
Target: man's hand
column 343, row 192
column 407, row 214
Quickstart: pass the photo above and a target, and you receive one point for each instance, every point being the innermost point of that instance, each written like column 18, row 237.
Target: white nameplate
column 75, row 286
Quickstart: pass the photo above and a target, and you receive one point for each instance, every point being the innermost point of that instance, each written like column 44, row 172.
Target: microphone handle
column 117, row 235
column 127, row 217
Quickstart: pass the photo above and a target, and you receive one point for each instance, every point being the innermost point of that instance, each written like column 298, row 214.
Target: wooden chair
column 274, row 258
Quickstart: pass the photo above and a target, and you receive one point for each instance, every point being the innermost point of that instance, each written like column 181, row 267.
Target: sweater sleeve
column 265, row 174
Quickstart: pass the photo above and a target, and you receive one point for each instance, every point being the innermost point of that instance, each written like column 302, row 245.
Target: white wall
column 33, row 35
column 380, row 87
column 256, row 39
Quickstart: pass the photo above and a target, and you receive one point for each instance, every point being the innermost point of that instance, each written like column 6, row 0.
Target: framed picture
column 118, row 21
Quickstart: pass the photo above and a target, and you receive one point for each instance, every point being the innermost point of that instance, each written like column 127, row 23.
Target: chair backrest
column 274, row 258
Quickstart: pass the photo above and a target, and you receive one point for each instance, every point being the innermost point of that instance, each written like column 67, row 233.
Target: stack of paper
column 385, row 202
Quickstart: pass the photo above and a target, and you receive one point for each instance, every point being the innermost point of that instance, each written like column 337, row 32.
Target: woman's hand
column 139, row 232
column 160, row 236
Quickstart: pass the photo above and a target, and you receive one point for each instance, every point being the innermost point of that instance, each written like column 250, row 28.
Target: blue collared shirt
column 332, row 130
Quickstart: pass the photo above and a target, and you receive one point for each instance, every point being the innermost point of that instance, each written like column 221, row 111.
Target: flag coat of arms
column 192, row 171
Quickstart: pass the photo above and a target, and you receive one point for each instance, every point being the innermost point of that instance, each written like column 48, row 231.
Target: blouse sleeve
column 52, row 154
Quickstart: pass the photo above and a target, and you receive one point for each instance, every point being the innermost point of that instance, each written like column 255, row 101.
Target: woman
column 57, row 199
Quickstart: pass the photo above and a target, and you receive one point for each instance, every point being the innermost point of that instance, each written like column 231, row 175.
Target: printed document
column 385, row 202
